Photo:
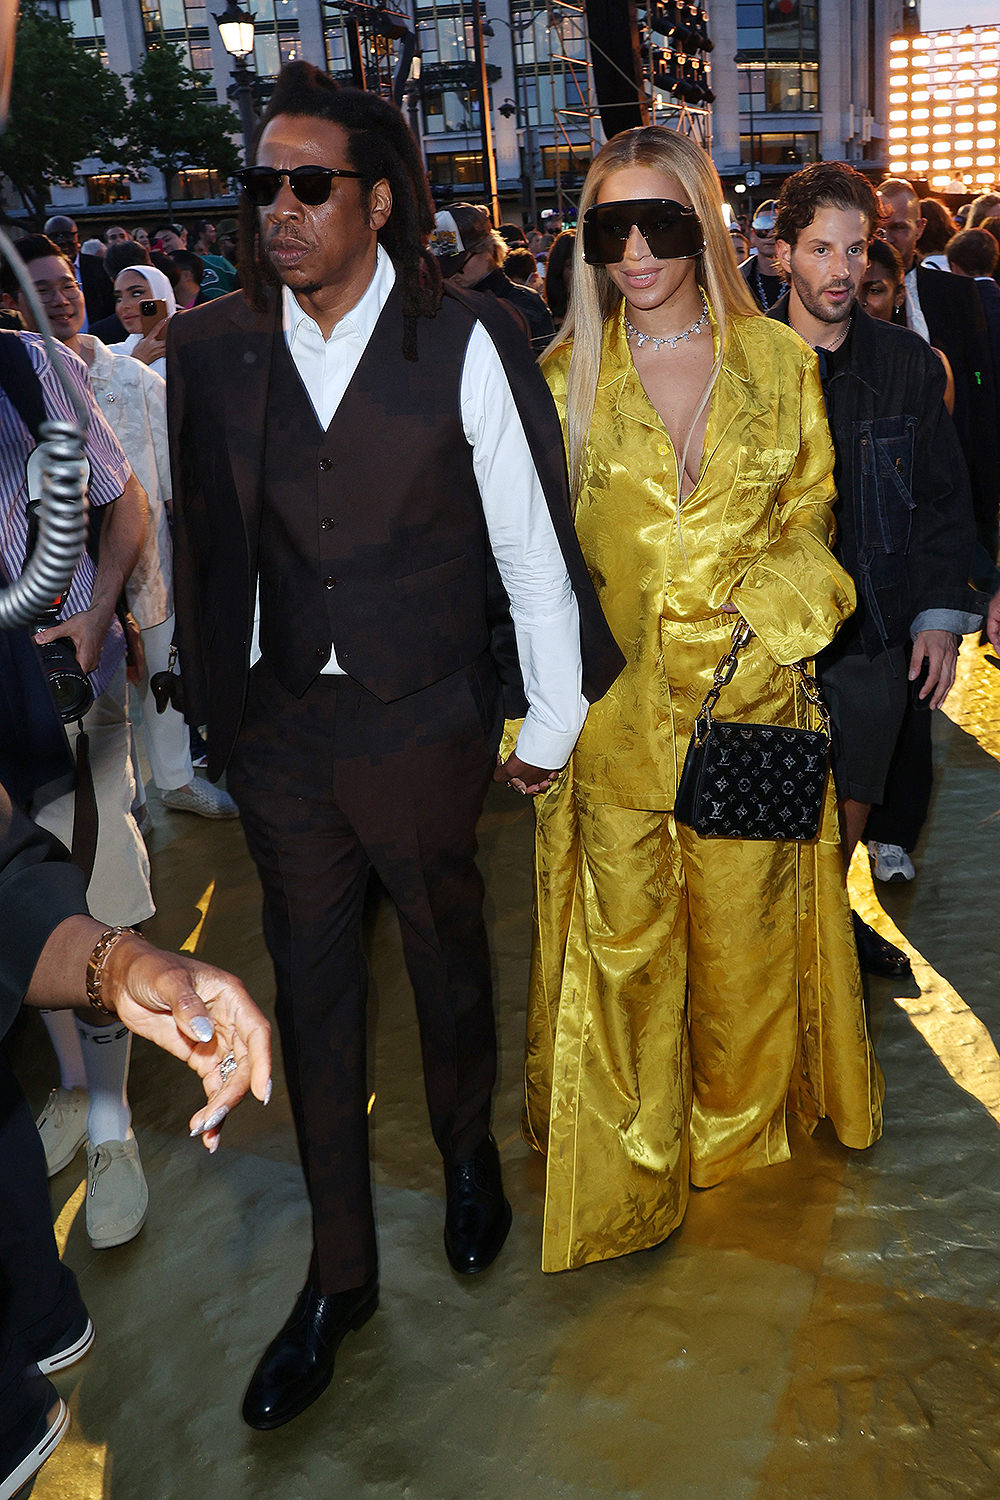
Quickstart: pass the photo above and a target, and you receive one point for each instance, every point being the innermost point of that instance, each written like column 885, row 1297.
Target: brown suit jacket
column 219, row 355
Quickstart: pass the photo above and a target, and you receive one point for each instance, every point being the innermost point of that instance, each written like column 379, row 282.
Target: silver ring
column 227, row 1067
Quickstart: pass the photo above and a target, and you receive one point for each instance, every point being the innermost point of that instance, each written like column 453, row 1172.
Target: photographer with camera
column 133, row 399
column 83, row 657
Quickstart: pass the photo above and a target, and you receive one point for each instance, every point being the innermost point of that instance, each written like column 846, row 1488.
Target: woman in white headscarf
column 134, row 285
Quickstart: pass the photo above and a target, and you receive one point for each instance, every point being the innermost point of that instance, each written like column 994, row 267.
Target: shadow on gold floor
column 827, row 1329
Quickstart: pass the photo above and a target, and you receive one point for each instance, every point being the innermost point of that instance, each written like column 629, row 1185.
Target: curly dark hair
column 824, row 184
column 381, row 147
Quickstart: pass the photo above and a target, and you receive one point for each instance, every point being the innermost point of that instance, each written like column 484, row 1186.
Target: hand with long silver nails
column 199, row 1013
column 202, row 1015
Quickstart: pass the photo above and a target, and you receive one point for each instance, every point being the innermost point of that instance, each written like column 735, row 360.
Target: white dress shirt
column 542, row 603
column 914, row 312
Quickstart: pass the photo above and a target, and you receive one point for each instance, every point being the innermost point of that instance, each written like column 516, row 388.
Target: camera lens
column 68, row 683
column 71, row 692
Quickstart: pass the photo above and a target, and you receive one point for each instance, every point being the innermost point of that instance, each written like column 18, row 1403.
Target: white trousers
column 119, row 892
column 168, row 743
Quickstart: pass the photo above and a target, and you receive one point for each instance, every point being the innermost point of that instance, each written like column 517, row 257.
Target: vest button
column 330, row 583
column 326, row 463
column 321, row 655
column 328, row 523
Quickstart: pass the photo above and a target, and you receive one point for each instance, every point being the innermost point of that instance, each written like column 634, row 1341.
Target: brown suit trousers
column 329, row 786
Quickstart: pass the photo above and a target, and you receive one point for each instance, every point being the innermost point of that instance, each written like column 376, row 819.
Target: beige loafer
column 117, row 1195
column 62, row 1126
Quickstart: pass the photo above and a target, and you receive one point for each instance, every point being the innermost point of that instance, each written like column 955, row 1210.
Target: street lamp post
column 236, row 27
column 511, row 107
column 485, row 122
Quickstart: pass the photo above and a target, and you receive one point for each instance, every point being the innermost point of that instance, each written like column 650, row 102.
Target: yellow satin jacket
column 755, row 531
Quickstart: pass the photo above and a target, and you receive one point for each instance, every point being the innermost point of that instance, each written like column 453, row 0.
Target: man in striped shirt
column 90, row 1103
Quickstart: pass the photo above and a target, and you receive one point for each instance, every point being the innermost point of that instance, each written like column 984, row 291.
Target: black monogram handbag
column 754, row 781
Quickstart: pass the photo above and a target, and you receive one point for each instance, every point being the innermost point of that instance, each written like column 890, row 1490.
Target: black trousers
column 904, row 807
column 39, row 1298
column 328, row 786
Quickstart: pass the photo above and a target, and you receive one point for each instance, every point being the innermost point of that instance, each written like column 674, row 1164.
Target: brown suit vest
column 372, row 533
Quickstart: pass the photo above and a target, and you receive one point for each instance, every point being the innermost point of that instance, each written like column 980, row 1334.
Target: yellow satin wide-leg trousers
column 687, row 995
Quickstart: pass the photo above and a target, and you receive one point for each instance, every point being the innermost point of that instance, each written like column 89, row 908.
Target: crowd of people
column 428, row 504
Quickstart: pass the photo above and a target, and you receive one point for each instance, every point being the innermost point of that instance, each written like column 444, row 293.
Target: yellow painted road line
column 954, row 1033
column 190, row 944
column 71, row 1208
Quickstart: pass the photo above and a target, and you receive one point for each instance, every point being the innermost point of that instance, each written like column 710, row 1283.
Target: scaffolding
column 655, row 108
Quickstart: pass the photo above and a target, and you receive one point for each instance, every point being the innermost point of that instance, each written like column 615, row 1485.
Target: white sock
column 106, row 1052
column 65, row 1039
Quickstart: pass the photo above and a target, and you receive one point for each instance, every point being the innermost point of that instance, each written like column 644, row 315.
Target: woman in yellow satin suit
column 688, row 995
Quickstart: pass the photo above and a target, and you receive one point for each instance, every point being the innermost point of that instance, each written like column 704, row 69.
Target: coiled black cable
column 62, row 509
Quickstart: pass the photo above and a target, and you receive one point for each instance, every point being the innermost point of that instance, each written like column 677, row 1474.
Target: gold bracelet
column 95, row 966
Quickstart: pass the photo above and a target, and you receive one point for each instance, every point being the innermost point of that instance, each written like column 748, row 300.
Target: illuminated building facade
column 943, row 108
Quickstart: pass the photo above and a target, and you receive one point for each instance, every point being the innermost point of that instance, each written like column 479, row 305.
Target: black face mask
column 671, row 230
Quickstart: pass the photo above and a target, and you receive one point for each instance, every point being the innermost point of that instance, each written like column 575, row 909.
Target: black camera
column 68, row 682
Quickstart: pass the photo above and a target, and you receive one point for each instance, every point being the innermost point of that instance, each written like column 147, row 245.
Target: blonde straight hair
column 594, row 298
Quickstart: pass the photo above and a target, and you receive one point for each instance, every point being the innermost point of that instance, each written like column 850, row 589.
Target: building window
column 776, row 26
column 201, row 57
column 779, row 150
column 84, row 16
column 451, row 110
column 777, row 87
column 573, row 165
column 196, row 183
column 455, row 169
column 107, row 187
column 778, row 58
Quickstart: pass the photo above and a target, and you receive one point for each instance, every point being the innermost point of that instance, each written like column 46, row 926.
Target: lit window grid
column 949, row 80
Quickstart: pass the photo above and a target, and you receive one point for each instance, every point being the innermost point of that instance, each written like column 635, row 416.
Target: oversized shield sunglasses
column 311, row 185
column 671, row 230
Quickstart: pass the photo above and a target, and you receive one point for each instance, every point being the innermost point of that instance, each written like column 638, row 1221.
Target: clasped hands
column 524, row 778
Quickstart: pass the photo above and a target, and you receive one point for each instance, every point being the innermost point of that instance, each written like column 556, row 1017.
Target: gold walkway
column 827, row 1329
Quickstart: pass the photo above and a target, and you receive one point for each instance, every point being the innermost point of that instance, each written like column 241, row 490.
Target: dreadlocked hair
column 380, row 145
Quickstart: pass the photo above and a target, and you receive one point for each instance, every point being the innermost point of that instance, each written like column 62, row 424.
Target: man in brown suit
column 380, row 467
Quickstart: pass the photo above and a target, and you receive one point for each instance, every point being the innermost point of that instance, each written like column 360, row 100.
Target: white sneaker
column 203, row 798
column 62, row 1126
column 117, row 1195
column 17, row 1467
column 890, row 863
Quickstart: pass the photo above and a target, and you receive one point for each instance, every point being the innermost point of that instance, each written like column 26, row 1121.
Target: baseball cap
column 445, row 238
column 766, row 216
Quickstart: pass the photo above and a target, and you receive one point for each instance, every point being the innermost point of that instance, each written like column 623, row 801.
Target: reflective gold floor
column 824, row 1330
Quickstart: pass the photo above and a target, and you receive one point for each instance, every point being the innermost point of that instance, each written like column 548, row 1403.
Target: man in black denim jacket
column 904, row 513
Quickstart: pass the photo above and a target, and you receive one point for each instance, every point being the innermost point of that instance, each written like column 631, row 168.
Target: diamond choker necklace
column 658, row 344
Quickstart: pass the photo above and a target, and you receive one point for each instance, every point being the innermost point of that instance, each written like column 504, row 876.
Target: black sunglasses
column 311, row 185
column 451, row 265
column 671, row 230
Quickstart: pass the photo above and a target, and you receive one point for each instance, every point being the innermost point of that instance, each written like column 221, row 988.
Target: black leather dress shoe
column 478, row 1217
column 878, row 957
column 297, row 1364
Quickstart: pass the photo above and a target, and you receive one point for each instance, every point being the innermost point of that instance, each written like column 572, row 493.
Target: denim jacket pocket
column 884, row 467
column 884, row 457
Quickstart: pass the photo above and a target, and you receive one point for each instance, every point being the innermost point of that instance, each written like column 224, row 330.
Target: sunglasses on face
column 671, row 230
column 311, row 185
column 452, row 265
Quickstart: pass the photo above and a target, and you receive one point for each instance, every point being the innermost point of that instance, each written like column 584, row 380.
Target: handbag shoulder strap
column 726, row 670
